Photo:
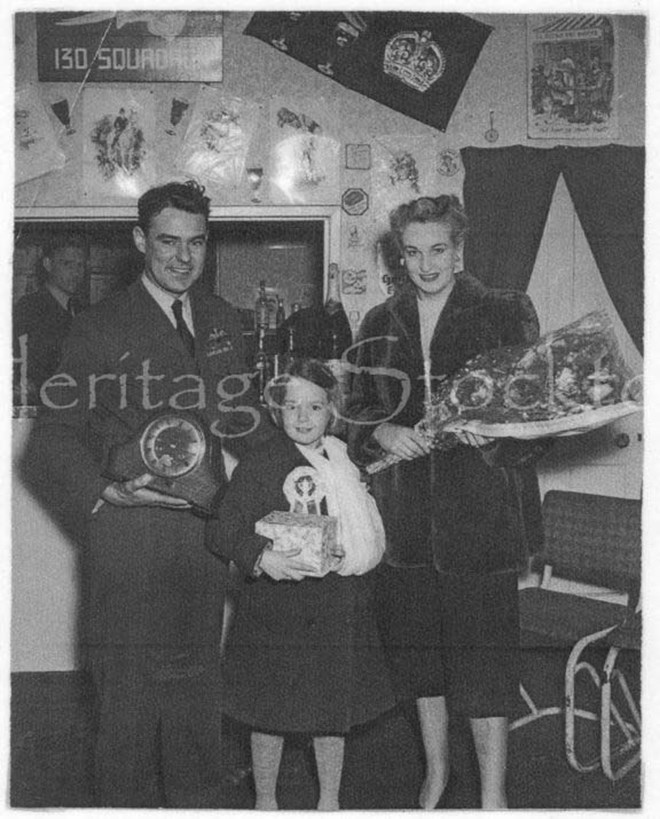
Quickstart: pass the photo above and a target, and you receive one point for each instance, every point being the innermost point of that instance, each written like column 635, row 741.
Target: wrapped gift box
column 314, row 535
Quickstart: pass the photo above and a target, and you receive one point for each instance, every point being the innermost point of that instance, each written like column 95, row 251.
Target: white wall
column 44, row 580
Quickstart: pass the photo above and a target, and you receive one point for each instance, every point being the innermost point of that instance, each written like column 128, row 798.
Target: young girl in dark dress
column 302, row 652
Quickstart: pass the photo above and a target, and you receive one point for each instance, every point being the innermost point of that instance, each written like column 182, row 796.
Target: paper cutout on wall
column 118, row 147
column 449, row 162
column 305, row 160
column 407, row 167
column 216, row 144
column 353, row 282
column 354, row 238
column 36, row 149
column 416, row 63
column 178, row 109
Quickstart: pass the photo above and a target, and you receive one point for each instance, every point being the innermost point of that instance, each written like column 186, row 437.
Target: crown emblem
column 415, row 59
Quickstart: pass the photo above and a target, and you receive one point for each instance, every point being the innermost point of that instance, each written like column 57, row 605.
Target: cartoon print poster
column 305, row 158
column 572, row 64
column 216, row 144
column 118, row 147
column 36, row 148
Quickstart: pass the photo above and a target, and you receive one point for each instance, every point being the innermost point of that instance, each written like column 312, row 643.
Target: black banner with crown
column 416, row 63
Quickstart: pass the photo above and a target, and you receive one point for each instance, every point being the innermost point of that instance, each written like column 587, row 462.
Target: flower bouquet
column 570, row 381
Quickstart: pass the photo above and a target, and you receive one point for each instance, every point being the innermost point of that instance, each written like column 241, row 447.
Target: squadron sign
column 144, row 46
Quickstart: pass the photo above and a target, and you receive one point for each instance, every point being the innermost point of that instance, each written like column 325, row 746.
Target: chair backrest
column 593, row 539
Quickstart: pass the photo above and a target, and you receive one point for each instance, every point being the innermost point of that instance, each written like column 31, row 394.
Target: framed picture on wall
column 572, row 76
column 358, row 156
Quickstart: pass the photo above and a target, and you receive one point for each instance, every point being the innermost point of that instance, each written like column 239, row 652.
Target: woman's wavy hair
column 446, row 208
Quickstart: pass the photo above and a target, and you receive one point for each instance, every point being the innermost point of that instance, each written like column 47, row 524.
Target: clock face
column 172, row 446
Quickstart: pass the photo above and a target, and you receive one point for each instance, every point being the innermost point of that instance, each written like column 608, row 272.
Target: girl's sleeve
column 230, row 533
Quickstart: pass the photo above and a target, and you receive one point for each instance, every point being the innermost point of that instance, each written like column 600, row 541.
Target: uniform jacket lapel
column 155, row 324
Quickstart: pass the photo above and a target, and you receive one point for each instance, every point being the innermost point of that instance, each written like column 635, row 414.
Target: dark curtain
column 507, row 194
column 607, row 188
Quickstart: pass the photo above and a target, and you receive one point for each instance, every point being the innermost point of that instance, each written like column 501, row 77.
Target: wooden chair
column 587, row 602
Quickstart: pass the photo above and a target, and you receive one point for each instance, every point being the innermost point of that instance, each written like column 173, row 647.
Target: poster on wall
column 36, row 149
column 216, row 143
column 118, row 146
column 129, row 46
column 572, row 81
column 305, row 157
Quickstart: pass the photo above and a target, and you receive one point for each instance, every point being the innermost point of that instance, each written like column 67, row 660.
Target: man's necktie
column 182, row 328
column 72, row 306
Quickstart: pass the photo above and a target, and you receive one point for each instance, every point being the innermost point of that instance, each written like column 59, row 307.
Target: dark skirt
column 451, row 635
column 305, row 656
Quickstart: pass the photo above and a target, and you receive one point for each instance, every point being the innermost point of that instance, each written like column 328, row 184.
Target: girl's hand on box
column 286, row 565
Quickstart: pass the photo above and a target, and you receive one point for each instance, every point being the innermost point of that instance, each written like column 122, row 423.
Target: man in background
column 42, row 319
column 153, row 595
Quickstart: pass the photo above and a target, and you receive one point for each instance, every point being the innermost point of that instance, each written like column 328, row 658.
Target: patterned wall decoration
column 305, row 154
column 36, row 149
column 217, row 140
column 119, row 158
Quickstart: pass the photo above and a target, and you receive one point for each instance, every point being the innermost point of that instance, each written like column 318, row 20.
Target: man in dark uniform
column 153, row 595
column 42, row 319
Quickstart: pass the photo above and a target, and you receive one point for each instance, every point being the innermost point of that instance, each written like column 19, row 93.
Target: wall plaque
column 129, row 46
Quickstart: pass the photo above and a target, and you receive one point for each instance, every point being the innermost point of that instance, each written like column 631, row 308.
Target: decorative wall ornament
column 216, row 143
column 355, row 238
column 572, row 79
column 177, row 112
column 403, row 171
column 449, row 162
column 406, row 167
column 492, row 134
column 358, row 156
column 353, row 282
column 414, row 62
column 298, row 121
column 118, row 147
column 415, row 59
column 36, row 149
column 62, row 111
column 305, row 162
column 355, row 201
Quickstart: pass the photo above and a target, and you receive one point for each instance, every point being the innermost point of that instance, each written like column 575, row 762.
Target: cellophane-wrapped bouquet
column 571, row 380
column 539, row 390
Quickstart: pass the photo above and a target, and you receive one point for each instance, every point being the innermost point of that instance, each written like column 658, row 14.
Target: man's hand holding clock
column 136, row 492
column 174, row 451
